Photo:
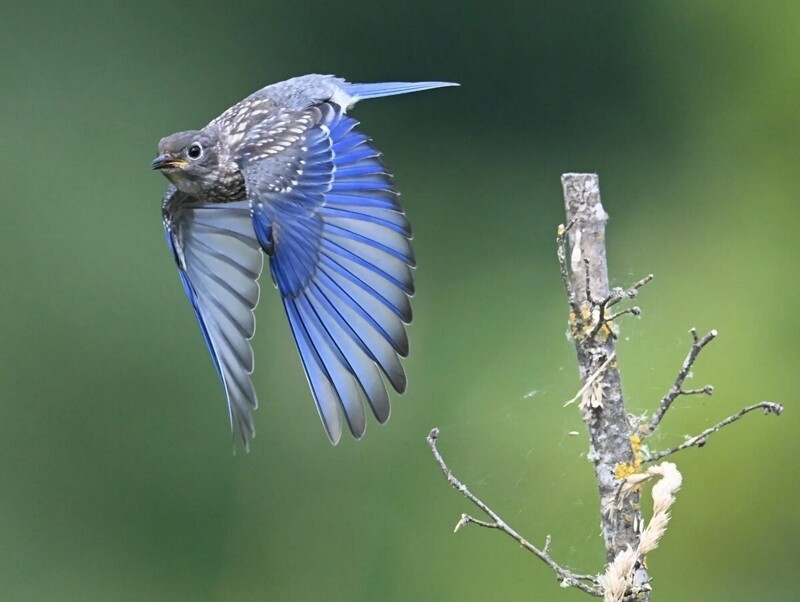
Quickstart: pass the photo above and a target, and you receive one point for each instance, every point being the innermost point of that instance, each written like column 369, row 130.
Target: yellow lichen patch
column 636, row 446
column 581, row 324
column 624, row 470
column 574, row 327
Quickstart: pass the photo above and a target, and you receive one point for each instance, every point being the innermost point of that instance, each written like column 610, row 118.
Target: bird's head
column 189, row 159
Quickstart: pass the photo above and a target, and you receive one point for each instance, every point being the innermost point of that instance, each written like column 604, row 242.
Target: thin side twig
column 565, row 576
column 634, row 311
column 619, row 294
column 677, row 389
column 615, row 296
column 769, row 407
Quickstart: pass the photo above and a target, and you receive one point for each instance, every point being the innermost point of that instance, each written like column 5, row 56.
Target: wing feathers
column 341, row 257
column 220, row 260
column 387, row 219
column 326, row 398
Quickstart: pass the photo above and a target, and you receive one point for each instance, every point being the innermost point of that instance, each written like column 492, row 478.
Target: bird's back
column 287, row 97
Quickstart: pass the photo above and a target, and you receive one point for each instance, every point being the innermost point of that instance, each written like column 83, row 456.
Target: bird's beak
column 166, row 162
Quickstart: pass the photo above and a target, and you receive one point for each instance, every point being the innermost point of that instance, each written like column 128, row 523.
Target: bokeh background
column 117, row 477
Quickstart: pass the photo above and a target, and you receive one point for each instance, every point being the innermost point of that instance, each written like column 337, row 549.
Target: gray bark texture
column 586, row 279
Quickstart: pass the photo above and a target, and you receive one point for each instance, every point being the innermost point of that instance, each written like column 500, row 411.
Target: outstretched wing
column 219, row 261
column 327, row 214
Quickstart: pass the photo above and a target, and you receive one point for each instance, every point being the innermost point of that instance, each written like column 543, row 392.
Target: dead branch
column 593, row 333
column 700, row 440
column 565, row 576
column 616, row 449
column 676, row 390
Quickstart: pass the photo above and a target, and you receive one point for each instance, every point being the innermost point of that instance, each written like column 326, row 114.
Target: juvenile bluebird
column 286, row 173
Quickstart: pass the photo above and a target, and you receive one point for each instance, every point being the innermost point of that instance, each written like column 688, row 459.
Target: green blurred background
column 117, row 480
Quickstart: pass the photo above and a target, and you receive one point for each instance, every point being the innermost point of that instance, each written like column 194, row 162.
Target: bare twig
column 635, row 311
column 615, row 296
column 677, row 387
column 565, row 576
column 769, row 407
column 619, row 294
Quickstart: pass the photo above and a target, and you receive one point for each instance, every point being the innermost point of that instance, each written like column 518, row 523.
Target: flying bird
column 286, row 173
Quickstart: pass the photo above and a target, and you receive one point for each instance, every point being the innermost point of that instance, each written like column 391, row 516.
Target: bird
column 286, row 173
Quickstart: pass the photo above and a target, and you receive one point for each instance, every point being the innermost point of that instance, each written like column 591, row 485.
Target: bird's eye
column 195, row 151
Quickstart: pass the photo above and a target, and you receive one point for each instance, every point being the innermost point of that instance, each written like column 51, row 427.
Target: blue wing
column 219, row 261
column 326, row 212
